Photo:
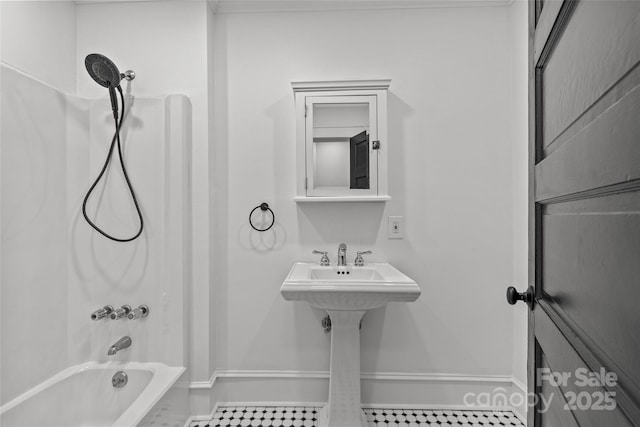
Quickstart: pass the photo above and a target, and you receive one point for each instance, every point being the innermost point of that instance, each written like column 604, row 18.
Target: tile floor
column 299, row 416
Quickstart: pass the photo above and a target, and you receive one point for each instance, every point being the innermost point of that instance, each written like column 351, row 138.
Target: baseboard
column 520, row 411
column 379, row 389
column 218, row 376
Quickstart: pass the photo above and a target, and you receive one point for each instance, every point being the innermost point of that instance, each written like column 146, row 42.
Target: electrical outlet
column 396, row 227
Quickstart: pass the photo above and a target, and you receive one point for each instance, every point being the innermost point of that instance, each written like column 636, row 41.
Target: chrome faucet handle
column 359, row 261
column 121, row 312
column 139, row 312
column 324, row 261
column 101, row 313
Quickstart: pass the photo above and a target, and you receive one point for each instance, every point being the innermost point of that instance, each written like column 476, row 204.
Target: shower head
column 103, row 70
column 105, row 73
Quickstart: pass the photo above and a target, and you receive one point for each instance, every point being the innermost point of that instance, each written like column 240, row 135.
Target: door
column 359, row 160
column 584, row 326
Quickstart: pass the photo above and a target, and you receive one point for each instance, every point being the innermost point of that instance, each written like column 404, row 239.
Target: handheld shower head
column 102, row 70
column 105, row 73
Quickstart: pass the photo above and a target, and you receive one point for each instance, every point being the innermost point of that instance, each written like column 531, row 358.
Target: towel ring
column 263, row 207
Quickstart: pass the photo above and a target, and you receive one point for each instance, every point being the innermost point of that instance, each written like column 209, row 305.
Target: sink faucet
column 342, row 255
column 121, row 344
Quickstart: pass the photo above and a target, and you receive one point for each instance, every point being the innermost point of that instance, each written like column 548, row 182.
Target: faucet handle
column 359, row 261
column 101, row 313
column 139, row 312
column 121, row 312
column 324, row 261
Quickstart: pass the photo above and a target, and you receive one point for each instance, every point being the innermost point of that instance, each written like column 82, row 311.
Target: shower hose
column 116, row 139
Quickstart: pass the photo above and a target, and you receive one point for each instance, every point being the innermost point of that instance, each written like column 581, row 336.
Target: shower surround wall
column 39, row 38
column 55, row 269
column 33, row 228
column 166, row 44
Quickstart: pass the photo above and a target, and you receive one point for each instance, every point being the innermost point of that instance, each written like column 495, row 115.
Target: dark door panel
column 584, row 139
column 359, row 167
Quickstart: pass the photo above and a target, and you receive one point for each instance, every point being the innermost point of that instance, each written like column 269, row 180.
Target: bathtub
column 83, row 395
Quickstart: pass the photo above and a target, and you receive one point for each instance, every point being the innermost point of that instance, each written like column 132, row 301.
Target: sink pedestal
column 344, row 407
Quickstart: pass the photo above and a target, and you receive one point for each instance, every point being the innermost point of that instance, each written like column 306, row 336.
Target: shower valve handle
column 121, row 312
column 139, row 312
column 101, row 313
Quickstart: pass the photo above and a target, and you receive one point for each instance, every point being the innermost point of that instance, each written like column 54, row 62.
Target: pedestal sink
column 346, row 293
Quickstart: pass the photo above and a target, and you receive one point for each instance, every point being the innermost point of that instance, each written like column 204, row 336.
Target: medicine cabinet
column 341, row 140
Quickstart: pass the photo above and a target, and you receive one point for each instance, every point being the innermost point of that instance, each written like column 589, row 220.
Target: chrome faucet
column 342, row 255
column 121, row 344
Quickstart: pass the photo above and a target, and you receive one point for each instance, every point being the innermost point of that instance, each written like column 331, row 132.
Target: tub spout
column 121, row 344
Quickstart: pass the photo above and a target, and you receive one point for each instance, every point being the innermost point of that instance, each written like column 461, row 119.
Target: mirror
column 339, row 147
column 340, row 144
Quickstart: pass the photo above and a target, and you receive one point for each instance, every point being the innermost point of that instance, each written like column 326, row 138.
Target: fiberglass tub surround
column 53, row 147
column 346, row 291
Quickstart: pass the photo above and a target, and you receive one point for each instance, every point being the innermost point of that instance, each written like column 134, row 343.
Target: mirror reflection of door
column 340, row 159
column 359, row 161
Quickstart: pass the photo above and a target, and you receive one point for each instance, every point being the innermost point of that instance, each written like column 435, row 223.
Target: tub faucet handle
column 101, row 313
column 121, row 312
column 139, row 312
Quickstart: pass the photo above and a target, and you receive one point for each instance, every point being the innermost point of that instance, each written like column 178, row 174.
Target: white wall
column 217, row 195
column 39, row 38
column 451, row 177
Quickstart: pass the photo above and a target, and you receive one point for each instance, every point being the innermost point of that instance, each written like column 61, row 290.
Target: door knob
column 514, row 296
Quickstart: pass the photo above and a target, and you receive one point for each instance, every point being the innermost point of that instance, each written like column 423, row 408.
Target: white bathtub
column 83, row 396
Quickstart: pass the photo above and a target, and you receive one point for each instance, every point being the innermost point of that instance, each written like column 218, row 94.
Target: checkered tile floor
column 298, row 416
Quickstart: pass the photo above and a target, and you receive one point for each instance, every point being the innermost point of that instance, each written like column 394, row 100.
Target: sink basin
column 349, row 287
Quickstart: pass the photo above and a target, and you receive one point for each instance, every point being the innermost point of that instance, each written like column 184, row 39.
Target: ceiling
column 252, row 6
column 245, row 6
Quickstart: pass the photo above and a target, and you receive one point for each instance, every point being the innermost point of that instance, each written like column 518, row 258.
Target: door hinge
column 305, row 110
column 375, row 145
column 305, row 183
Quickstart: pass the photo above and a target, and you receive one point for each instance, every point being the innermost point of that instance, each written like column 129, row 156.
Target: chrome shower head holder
column 128, row 75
